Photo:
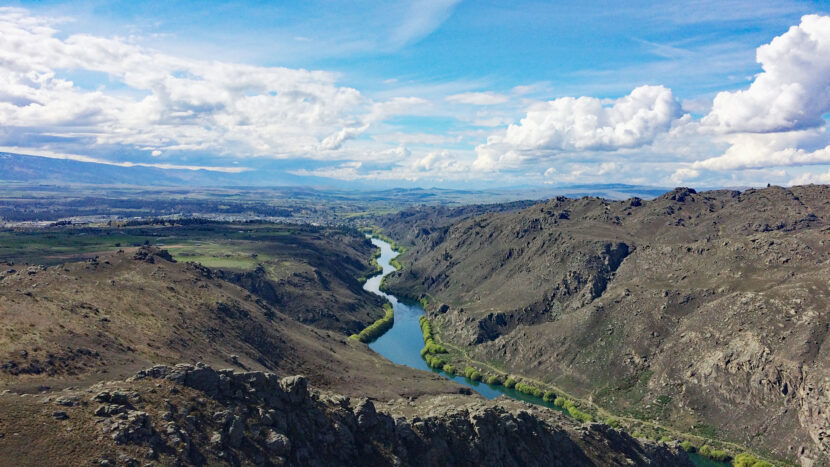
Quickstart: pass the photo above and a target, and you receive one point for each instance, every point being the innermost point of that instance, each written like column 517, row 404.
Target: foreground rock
column 197, row 415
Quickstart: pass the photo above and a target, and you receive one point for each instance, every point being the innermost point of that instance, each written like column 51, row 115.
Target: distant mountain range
column 29, row 169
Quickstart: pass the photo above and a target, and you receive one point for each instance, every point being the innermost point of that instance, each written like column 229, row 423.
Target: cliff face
column 197, row 415
column 707, row 311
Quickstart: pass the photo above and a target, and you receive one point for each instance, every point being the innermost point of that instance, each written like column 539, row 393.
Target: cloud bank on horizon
column 113, row 99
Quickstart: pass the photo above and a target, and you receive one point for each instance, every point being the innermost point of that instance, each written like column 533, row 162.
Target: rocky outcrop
column 212, row 416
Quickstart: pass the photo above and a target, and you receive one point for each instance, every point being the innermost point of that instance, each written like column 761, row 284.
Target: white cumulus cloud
column 584, row 123
column 793, row 90
column 172, row 103
column 779, row 120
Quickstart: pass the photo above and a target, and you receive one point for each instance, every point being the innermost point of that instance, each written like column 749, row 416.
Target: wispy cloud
column 80, row 158
column 421, row 18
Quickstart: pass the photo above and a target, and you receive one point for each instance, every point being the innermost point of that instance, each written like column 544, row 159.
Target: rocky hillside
column 705, row 311
column 419, row 223
column 196, row 415
column 106, row 318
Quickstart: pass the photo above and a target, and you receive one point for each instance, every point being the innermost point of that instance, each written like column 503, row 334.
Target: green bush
column 612, row 422
column 434, row 348
column 472, row 373
column 434, row 361
column 549, row 396
column 426, row 328
column 529, row 389
column 573, row 410
column 748, row 460
column 493, row 379
column 430, row 347
column 687, row 446
column 510, row 383
column 376, row 329
column 666, row 439
column 714, row 454
column 449, row 369
column 580, row 415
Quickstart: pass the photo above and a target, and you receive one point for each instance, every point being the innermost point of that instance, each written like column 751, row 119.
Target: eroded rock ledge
column 198, row 415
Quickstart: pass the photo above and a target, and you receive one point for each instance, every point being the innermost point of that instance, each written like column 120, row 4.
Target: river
column 403, row 342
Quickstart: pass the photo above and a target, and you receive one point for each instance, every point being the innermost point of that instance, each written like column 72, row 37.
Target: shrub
column 714, row 454
column 548, row 396
column 472, row 373
column 687, row 446
column 573, row 410
column 580, row 415
column 449, row 369
column 379, row 327
column 493, row 379
column 748, row 460
column 426, row 328
column 529, row 389
column 510, row 383
column 433, row 348
column 612, row 422
column 434, row 361
column 666, row 439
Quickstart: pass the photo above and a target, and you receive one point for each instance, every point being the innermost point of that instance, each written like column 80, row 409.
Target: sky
column 426, row 93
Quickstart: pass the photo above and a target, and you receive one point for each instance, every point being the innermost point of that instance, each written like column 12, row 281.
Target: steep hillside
column 706, row 311
column 108, row 317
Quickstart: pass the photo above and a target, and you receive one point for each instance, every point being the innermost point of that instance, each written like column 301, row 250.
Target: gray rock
column 67, row 401
column 108, row 410
column 296, row 387
column 236, row 431
column 366, row 414
column 277, row 443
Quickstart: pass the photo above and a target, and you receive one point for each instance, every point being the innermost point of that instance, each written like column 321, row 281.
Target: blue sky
column 426, row 93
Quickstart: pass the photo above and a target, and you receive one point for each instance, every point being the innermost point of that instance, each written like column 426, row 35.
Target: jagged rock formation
column 193, row 414
column 707, row 311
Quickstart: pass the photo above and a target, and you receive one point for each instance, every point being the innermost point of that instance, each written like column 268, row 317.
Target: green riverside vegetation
column 432, row 351
column 472, row 374
column 714, row 454
column 748, row 460
column 377, row 268
column 376, row 329
column 573, row 410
